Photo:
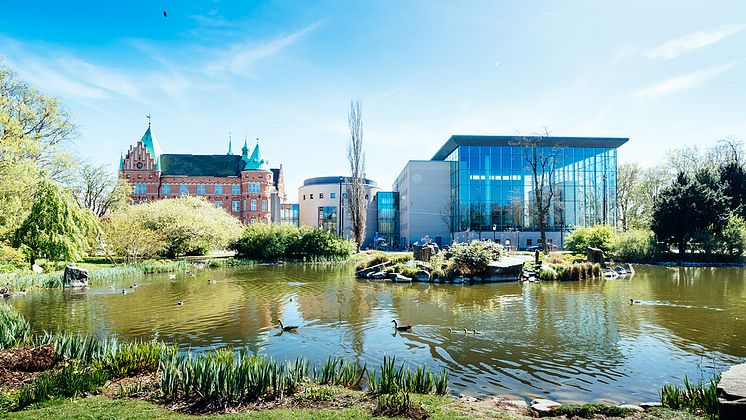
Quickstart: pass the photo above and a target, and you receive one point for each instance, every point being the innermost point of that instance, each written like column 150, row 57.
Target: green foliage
column 224, row 376
column 732, row 238
column 337, row 371
column 11, row 259
column 126, row 236
column 635, row 245
column 441, row 382
column 395, row 379
column 56, row 228
column 14, row 329
column 592, row 410
column 372, row 258
column 273, row 242
column 693, row 397
column 73, row 380
column 393, row 405
column 687, row 207
column 317, row 394
column 598, row 236
column 186, row 225
column 472, row 258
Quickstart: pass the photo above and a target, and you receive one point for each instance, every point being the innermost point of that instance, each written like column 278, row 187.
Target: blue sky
column 663, row 73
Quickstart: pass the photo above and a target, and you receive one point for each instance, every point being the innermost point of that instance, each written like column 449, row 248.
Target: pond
column 573, row 341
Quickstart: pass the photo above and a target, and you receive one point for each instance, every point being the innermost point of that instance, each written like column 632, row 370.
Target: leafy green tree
column 274, row 242
column 56, row 228
column 635, row 245
column 688, row 207
column 125, row 236
column 733, row 235
column 598, row 236
column 733, row 181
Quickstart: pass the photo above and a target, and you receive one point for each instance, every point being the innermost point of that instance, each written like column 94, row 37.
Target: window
column 218, row 189
column 344, row 195
column 328, row 218
column 264, row 205
column 183, row 189
column 529, row 242
column 201, row 189
column 321, row 195
column 218, row 204
column 166, row 189
column 304, row 197
column 253, row 220
column 255, row 187
column 310, row 196
column 235, row 206
column 253, row 204
column 140, row 188
column 244, row 204
column 236, row 189
column 334, row 195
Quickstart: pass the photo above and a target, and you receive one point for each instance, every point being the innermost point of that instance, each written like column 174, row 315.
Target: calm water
column 568, row 341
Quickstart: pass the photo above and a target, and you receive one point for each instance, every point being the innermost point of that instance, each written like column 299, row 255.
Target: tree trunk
column 682, row 248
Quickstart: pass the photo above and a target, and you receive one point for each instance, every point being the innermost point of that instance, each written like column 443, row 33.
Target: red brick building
column 245, row 186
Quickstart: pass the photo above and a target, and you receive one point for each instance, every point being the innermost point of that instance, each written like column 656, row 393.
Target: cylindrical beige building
column 322, row 202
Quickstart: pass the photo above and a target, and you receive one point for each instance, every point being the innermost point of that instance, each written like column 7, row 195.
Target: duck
column 124, row 292
column 21, row 292
column 401, row 327
column 475, row 332
column 632, row 301
column 190, row 274
column 5, row 289
column 287, row 327
column 180, row 303
column 172, row 276
column 134, row 286
column 212, row 282
column 111, row 286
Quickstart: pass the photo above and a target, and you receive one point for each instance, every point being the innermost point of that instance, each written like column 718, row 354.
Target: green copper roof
column 230, row 147
column 256, row 161
column 245, row 152
column 152, row 147
column 121, row 161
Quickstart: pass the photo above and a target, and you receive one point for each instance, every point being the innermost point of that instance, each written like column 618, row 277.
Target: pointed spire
column 256, row 161
column 121, row 160
column 230, row 145
column 151, row 145
column 245, row 149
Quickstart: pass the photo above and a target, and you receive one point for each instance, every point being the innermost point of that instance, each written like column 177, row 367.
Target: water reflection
column 570, row 341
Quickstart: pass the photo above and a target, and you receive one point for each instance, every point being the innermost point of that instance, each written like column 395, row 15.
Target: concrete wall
column 424, row 190
column 527, row 238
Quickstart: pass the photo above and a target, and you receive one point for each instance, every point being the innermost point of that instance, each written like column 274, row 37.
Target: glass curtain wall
column 388, row 216
column 328, row 218
column 493, row 185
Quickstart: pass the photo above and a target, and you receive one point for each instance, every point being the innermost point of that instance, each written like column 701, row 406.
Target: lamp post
column 494, row 233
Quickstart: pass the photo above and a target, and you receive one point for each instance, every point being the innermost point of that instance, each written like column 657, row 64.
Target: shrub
column 15, row 329
column 472, row 258
column 274, row 242
column 635, row 245
column 393, row 405
column 11, row 259
column 598, row 236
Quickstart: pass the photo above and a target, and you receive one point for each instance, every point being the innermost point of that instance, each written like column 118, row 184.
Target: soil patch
column 20, row 366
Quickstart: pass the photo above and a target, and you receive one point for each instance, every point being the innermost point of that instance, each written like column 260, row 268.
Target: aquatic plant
column 394, row 379
column 694, row 397
column 224, row 376
column 337, row 371
column 73, row 380
column 15, row 329
column 393, row 405
column 441, row 382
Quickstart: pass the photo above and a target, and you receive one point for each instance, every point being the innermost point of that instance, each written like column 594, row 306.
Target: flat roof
column 335, row 180
column 579, row 142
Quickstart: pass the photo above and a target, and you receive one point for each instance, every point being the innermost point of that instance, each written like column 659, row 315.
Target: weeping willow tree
column 356, row 203
column 56, row 227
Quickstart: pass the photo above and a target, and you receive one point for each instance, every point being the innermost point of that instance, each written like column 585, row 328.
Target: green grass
column 694, row 397
column 15, row 330
column 591, row 410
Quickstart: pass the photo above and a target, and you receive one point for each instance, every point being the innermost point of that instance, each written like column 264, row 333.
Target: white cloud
column 239, row 58
column 682, row 82
column 678, row 46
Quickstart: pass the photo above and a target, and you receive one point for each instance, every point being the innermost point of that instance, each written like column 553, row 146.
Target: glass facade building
column 492, row 181
column 387, row 203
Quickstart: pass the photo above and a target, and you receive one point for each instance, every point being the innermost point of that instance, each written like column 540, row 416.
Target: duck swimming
column 287, row 327
column 124, row 292
column 401, row 327
column 632, row 301
column 180, row 303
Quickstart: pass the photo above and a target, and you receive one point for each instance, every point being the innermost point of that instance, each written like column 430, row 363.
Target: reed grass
column 73, row 380
column 695, row 397
column 393, row 405
column 395, row 379
column 27, row 280
column 14, row 329
column 337, row 371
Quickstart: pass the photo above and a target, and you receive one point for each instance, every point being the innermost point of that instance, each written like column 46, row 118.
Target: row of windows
column 140, row 188
column 202, row 189
column 321, row 196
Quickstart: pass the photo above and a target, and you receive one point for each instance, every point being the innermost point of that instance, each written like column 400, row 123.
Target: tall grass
column 26, row 280
column 395, row 379
column 14, row 329
column 695, row 397
column 73, row 380
column 227, row 377
column 337, row 371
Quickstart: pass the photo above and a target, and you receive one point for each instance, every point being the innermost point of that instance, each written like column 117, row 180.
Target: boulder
column 399, row 278
column 510, row 404
column 37, row 269
column 421, row 275
column 75, row 277
column 731, row 391
column 377, row 276
column 544, row 407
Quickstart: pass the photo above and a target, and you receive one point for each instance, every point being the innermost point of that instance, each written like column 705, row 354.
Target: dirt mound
column 18, row 366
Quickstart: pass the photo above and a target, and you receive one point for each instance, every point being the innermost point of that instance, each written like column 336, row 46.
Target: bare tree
column 356, row 201
column 98, row 190
column 542, row 162
column 628, row 178
column 448, row 214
